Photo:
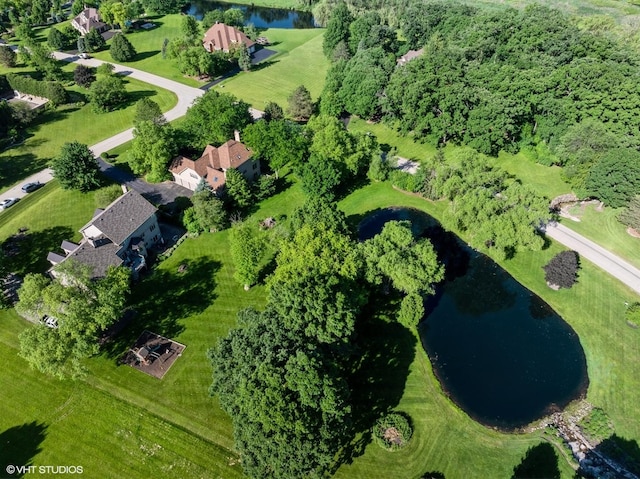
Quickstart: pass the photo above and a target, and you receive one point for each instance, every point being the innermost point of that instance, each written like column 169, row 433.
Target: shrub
column 632, row 315
column 7, row 56
column 107, row 195
column 392, row 432
column 562, row 270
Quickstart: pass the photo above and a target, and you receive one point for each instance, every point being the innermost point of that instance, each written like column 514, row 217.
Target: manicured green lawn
column 148, row 44
column 604, row 228
column 74, row 121
column 299, row 62
column 147, row 425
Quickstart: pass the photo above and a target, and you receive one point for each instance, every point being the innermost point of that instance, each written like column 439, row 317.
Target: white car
column 4, row 204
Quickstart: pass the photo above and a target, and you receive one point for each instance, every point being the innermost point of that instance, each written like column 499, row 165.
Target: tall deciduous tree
column 7, row 56
column 149, row 110
column 209, row 211
column 190, row 29
column 278, row 142
column 152, row 148
column 410, row 265
column 76, row 168
column 84, row 76
column 107, row 93
column 615, row 178
column 213, row 118
column 82, row 308
column 246, row 253
column 55, row 39
column 337, row 29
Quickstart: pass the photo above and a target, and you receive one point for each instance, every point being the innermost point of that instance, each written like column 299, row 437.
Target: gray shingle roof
column 100, row 257
column 123, row 217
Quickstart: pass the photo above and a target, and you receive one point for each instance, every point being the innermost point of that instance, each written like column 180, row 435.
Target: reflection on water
column 260, row 17
column 500, row 352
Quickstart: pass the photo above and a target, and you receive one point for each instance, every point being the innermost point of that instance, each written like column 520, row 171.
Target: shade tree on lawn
column 83, row 308
column 149, row 110
column 152, row 148
column 237, row 189
column 562, row 270
column 84, row 76
column 76, row 167
column 213, row 118
column 206, row 214
column 107, row 93
column 121, row 49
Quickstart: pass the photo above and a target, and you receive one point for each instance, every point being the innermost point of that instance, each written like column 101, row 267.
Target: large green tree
column 76, row 167
column 337, row 29
column 300, row 104
column 152, row 148
column 615, row 178
column 277, row 142
column 213, row 118
column 121, row 49
column 83, row 309
column 107, row 93
column 408, row 264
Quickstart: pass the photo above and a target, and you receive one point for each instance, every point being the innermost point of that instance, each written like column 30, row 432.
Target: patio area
column 153, row 354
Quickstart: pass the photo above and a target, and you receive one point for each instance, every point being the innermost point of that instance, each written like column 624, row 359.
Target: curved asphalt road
column 156, row 193
column 612, row 264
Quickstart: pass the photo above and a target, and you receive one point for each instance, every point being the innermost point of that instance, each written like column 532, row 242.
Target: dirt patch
column 393, row 436
column 153, row 354
column 632, row 232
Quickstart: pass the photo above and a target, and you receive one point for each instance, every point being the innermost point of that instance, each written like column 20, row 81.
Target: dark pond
column 260, row 17
column 500, row 352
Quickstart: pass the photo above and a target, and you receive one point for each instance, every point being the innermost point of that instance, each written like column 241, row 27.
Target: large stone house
column 213, row 165
column 118, row 235
column 88, row 19
column 221, row 37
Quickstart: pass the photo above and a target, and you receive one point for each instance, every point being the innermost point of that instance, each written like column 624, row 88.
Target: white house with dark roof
column 118, row 235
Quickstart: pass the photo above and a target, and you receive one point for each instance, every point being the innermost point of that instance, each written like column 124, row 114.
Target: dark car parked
column 29, row 187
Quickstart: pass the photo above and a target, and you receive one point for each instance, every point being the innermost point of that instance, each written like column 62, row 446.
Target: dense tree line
column 507, row 80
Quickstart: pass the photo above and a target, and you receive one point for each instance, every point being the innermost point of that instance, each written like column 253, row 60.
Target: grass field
column 74, row 121
column 299, row 62
column 146, row 425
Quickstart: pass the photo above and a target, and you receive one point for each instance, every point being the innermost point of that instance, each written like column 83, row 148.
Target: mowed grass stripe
column 300, row 61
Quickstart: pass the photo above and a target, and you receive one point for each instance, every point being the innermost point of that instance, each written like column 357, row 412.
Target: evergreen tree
column 121, row 49
column 337, row 29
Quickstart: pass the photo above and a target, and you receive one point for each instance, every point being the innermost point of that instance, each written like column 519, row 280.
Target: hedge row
column 54, row 91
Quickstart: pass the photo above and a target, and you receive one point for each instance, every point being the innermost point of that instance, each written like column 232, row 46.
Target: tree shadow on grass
column 540, row 461
column 166, row 297
column 386, row 350
column 19, row 445
column 27, row 252
column 144, row 55
column 13, row 167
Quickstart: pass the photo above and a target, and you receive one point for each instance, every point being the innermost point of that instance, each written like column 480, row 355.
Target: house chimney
column 236, row 135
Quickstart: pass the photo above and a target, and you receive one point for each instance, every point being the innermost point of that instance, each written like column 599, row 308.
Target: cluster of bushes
column 54, row 91
column 392, row 432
